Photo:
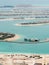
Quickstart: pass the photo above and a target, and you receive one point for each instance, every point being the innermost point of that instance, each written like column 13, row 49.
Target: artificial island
column 32, row 23
column 8, row 36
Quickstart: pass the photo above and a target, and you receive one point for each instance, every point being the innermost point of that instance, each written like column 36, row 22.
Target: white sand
column 8, row 59
column 4, row 19
column 46, row 40
column 19, row 24
column 16, row 37
column 29, row 25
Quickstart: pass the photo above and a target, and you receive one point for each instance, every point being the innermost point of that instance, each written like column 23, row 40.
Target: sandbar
column 29, row 24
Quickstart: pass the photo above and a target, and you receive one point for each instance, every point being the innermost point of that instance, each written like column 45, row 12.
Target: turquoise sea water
column 40, row 32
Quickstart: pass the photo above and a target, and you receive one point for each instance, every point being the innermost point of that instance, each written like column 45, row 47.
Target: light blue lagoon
column 40, row 32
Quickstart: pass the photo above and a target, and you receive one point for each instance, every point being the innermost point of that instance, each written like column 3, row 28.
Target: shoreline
column 23, row 59
column 24, row 53
column 30, row 24
column 16, row 37
column 4, row 19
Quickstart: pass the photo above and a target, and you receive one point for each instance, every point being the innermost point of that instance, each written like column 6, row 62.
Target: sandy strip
column 29, row 25
column 10, row 59
column 16, row 37
column 8, row 19
column 46, row 40
column 4, row 19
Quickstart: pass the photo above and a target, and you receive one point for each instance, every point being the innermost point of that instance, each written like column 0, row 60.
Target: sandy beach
column 24, row 59
column 8, row 19
column 4, row 19
column 16, row 37
column 29, row 24
column 19, row 24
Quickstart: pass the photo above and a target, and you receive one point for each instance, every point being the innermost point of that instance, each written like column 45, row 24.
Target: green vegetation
column 6, row 35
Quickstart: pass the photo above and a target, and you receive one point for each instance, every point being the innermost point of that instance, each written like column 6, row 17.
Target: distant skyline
column 29, row 2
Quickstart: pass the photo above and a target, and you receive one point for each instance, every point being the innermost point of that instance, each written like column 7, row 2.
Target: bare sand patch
column 29, row 25
column 16, row 37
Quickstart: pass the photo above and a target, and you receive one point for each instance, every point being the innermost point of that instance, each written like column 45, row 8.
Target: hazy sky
column 33, row 2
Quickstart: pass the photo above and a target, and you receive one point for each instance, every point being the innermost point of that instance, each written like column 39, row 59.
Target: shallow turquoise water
column 40, row 32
